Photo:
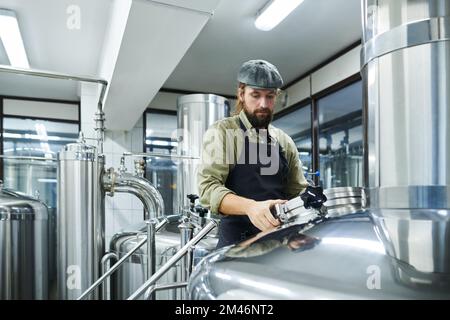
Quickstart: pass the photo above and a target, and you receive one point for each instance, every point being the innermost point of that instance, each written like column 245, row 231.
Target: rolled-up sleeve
column 213, row 170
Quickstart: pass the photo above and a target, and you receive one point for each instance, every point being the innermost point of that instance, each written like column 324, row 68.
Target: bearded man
column 248, row 165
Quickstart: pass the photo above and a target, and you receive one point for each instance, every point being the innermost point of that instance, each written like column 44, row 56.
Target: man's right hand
column 260, row 216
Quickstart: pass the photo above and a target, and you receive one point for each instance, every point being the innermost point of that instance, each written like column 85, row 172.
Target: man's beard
column 260, row 118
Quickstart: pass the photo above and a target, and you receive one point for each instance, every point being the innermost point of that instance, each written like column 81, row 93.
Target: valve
column 192, row 198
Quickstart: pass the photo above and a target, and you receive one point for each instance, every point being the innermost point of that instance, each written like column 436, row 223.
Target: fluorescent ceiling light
column 274, row 12
column 12, row 39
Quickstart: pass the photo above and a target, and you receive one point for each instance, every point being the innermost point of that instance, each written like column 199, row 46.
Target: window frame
column 315, row 106
column 3, row 116
column 144, row 119
column 315, row 125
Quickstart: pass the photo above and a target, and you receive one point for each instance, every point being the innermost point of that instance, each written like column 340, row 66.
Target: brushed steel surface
column 80, row 219
column 339, row 258
column 24, row 247
column 406, row 70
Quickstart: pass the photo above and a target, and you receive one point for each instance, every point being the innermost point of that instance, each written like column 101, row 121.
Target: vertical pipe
column 315, row 140
column 151, row 249
column 187, row 232
column 106, row 287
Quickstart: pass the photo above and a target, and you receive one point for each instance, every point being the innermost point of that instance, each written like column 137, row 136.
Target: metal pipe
column 105, row 259
column 121, row 261
column 160, row 155
column 159, row 287
column 160, row 3
column 151, row 247
column 186, row 232
column 166, row 267
column 140, row 187
column 27, row 158
column 52, row 74
column 99, row 115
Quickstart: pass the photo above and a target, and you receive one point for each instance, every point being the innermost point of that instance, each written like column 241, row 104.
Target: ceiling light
column 12, row 39
column 274, row 12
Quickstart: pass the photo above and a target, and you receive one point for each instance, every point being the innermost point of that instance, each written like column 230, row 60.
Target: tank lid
column 18, row 206
column 79, row 150
column 201, row 98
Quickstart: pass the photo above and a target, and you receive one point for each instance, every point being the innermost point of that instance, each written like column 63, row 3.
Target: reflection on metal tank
column 406, row 69
column 133, row 273
column 196, row 112
column 24, row 243
column 80, row 220
column 339, row 257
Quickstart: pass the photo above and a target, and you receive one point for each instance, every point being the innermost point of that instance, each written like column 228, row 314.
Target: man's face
column 259, row 105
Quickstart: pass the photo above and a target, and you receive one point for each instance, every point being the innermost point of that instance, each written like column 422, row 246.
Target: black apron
column 246, row 180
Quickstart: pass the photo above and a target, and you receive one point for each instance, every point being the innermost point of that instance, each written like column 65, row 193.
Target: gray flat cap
column 260, row 74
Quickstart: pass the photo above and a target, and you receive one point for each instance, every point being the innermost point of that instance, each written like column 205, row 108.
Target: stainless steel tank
column 24, row 247
column 133, row 273
column 80, row 219
column 339, row 257
column 196, row 112
column 406, row 71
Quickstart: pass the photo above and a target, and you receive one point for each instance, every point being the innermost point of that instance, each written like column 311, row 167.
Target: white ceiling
column 317, row 30
column 51, row 45
column 314, row 32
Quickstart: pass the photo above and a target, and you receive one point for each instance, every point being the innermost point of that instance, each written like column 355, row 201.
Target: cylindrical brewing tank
column 133, row 273
column 196, row 112
column 24, row 243
column 80, row 219
column 406, row 69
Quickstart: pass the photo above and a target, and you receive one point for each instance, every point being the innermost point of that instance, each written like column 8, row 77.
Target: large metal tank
column 339, row 257
column 80, row 219
column 133, row 273
column 406, row 69
column 24, row 247
column 196, row 113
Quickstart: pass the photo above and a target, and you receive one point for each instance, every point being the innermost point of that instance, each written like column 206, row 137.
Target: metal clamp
column 294, row 209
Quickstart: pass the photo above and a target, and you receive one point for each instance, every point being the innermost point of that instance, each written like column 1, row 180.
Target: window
column 341, row 137
column 162, row 172
column 297, row 124
column 32, row 136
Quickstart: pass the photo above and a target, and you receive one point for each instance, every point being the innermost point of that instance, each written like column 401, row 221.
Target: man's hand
column 259, row 214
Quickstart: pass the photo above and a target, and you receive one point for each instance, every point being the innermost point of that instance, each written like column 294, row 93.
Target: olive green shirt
column 222, row 146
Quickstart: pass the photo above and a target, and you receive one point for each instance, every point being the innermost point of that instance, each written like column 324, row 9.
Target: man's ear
column 241, row 94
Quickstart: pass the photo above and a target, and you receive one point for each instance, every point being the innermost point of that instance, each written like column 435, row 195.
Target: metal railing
column 150, row 235
column 172, row 261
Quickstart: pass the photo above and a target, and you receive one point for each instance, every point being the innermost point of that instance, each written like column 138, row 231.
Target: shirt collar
column 244, row 119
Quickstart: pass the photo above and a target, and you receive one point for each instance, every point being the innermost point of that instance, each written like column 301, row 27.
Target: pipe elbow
column 143, row 189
